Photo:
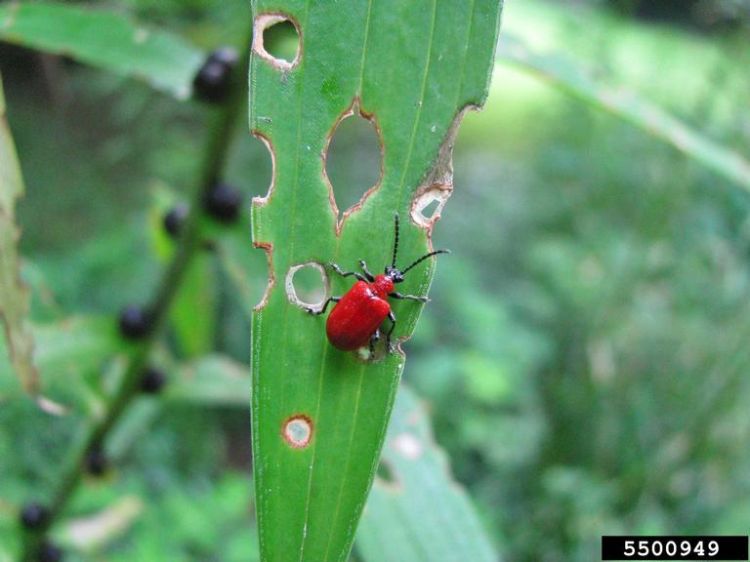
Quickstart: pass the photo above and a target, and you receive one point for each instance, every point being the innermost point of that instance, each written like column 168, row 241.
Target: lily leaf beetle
column 357, row 316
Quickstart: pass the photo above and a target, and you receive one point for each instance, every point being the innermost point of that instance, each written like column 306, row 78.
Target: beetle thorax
column 382, row 286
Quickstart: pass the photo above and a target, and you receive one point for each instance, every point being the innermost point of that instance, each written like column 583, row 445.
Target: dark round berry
column 49, row 552
column 174, row 219
column 153, row 380
column 97, row 462
column 212, row 82
column 223, row 202
column 34, row 516
column 224, row 55
column 135, row 322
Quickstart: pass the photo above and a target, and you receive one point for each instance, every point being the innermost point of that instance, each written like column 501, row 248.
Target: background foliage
column 583, row 357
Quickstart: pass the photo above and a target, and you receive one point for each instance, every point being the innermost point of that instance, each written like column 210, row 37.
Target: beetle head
column 394, row 274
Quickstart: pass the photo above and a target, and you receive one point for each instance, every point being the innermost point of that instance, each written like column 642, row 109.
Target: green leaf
column 193, row 316
column 211, row 380
column 411, row 68
column 68, row 354
column 76, row 345
column 104, row 39
column 416, row 511
column 569, row 78
column 14, row 296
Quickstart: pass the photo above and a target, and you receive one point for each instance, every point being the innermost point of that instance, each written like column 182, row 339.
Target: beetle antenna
column 395, row 242
column 424, row 257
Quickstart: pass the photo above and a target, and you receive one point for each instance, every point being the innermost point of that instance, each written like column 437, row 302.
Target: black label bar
column 675, row 548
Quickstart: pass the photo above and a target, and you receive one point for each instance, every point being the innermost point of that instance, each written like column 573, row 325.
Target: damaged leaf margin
column 438, row 183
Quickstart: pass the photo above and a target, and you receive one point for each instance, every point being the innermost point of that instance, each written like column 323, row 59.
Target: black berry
column 214, row 79
column 34, row 516
column 49, row 552
column 153, row 380
column 223, row 202
column 97, row 462
column 135, row 322
column 174, row 219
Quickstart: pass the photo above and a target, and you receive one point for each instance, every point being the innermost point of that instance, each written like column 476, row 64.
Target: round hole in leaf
column 307, row 285
column 297, row 431
column 277, row 39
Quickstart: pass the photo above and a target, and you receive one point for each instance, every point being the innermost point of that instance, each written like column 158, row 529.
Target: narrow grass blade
column 569, row 78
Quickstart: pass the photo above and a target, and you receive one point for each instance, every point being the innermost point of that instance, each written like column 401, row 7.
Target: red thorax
column 382, row 286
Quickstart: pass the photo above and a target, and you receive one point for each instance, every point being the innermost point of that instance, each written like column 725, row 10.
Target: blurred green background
column 585, row 354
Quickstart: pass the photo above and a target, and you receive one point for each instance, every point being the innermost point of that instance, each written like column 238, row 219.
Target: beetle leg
column 338, row 270
column 370, row 276
column 373, row 340
column 392, row 318
column 315, row 312
column 397, row 295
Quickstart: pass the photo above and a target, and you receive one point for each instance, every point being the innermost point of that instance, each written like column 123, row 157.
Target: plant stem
column 215, row 155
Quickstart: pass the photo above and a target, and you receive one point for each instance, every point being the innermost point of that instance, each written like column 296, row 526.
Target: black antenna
column 395, row 243
column 424, row 257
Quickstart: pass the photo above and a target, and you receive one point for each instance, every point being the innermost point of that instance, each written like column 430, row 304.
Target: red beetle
column 357, row 316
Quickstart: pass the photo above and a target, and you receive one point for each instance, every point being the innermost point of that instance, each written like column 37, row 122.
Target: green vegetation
column 581, row 362
column 311, row 491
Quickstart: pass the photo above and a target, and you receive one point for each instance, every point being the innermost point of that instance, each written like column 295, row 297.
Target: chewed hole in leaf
column 307, row 285
column 282, row 41
column 428, row 204
column 297, row 431
column 257, row 164
column 353, row 160
column 276, row 38
column 429, row 211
